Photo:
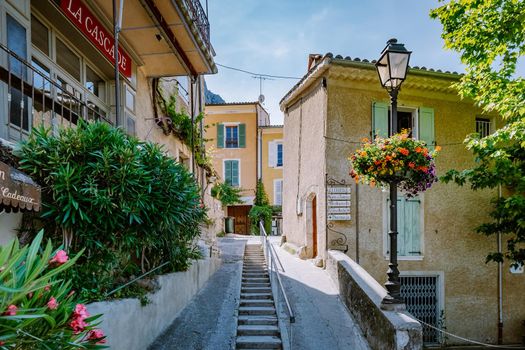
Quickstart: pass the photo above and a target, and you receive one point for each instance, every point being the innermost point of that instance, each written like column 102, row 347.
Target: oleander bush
column 38, row 309
column 127, row 203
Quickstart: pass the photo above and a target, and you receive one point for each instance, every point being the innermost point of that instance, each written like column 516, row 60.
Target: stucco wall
column 130, row 326
column 9, row 223
column 304, row 149
column 248, row 155
column 450, row 246
column 269, row 174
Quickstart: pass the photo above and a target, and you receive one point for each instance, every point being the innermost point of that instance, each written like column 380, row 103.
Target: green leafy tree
column 131, row 206
column 490, row 36
column 261, row 210
column 227, row 194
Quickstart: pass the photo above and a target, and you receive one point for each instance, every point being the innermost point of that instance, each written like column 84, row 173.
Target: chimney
column 313, row 59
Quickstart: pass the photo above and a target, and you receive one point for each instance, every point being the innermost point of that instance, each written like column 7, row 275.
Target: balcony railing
column 200, row 19
column 33, row 98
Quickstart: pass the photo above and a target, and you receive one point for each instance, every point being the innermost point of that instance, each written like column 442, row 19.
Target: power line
column 258, row 74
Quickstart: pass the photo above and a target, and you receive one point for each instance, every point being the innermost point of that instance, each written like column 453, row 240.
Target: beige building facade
column 63, row 49
column 327, row 114
column 272, row 162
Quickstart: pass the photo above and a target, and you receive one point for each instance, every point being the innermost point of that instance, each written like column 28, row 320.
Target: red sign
column 88, row 24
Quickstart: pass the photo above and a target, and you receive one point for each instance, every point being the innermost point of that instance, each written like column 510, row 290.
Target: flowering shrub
column 399, row 159
column 37, row 309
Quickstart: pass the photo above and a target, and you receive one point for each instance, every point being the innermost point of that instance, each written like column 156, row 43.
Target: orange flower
column 372, row 183
column 363, row 154
column 411, row 165
column 423, row 169
column 365, row 140
column 388, row 158
column 425, row 151
column 404, row 151
column 438, row 148
column 418, row 149
column 377, row 162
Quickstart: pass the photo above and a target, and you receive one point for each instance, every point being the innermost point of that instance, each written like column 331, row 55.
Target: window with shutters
column 420, row 121
column 483, row 127
column 275, row 153
column 279, row 154
column 409, row 227
column 232, row 172
column 232, row 136
column 278, row 192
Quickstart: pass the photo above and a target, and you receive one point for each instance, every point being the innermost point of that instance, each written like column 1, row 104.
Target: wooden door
column 314, row 226
column 242, row 221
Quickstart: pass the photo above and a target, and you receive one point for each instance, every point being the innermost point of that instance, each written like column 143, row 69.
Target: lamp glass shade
column 392, row 66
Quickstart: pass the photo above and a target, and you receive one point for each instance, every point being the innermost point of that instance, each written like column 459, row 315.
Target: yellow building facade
column 272, row 162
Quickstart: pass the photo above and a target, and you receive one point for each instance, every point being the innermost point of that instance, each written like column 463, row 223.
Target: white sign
column 340, row 196
column 339, row 217
column 339, row 203
column 339, row 189
column 339, row 210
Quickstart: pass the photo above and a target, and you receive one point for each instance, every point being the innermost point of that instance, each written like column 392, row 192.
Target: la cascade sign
column 88, row 24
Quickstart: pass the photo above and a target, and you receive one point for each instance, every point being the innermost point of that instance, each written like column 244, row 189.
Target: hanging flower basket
column 398, row 159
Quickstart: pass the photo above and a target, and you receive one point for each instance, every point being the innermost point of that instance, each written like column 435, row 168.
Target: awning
column 17, row 190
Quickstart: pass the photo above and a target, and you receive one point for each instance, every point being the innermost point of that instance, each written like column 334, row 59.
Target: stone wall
column 130, row 326
column 362, row 295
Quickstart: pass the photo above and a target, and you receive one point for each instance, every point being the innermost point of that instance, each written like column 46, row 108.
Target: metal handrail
column 264, row 236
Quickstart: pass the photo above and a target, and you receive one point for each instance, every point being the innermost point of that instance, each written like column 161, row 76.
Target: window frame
column 386, row 225
column 277, row 144
column 238, row 167
column 232, row 126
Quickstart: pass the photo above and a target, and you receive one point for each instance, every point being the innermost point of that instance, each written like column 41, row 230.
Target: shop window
column 39, row 35
column 95, row 84
column 67, row 59
column 41, row 81
column 130, row 100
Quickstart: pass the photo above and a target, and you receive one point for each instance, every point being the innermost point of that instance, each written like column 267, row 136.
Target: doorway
column 242, row 221
column 314, row 227
column 311, row 226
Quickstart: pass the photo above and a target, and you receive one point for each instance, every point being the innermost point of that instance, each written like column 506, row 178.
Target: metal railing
column 200, row 19
column 34, row 98
column 273, row 268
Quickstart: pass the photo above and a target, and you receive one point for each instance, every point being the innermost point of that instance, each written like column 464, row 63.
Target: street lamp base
column 392, row 304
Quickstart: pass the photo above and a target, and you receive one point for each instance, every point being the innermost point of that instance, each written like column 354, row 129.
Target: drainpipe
column 117, row 24
column 258, row 141
column 500, row 286
column 192, row 99
column 357, row 223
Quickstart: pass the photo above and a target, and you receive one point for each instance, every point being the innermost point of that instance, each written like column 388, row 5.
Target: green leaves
column 227, row 194
column 113, row 193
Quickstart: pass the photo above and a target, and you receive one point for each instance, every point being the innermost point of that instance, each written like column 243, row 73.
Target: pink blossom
column 96, row 334
column 52, row 303
column 47, row 288
column 78, row 325
column 81, row 311
column 11, row 310
column 59, row 258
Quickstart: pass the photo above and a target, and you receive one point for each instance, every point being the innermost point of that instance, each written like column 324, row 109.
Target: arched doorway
column 311, row 225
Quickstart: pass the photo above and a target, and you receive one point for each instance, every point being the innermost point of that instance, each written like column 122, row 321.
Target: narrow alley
column 210, row 320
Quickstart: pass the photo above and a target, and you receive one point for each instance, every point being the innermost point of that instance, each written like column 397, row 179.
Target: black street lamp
column 392, row 68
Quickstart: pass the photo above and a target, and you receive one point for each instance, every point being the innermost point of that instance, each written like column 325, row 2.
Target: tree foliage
column 131, row 206
column 490, row 36
column 227, row 194
column 261, row 210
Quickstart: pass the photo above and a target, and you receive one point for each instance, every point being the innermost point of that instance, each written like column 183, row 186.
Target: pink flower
column 59, row 258
column 30, row 295
column 52, row 303
column 78, row 325
column 71, row 293
column 47, row 288
column 96, row 334
column 11, row 310
column 81, row 311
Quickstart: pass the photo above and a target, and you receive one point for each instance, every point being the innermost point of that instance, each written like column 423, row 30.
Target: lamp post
column 392, row 68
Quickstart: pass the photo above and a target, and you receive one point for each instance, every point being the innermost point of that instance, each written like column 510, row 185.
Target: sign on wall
column 17, row 190
column 339, row 202
column 90, row 26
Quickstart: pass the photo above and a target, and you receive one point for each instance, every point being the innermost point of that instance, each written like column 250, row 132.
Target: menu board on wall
column 339, row 202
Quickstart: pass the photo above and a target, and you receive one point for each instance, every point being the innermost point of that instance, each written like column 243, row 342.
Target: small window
column 130, row 100
column 279, row 154
column 231, row 172
column 483, row 127
column 67, row 59
column 130, row 125
column 95, row 83
column 39, row 35
column 278, row 192
column 232, row 137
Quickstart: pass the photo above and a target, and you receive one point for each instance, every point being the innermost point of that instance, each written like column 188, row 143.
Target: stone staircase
column 257, row 326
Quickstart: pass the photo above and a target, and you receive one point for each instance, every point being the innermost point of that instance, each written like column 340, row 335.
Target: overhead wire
column 258, row 74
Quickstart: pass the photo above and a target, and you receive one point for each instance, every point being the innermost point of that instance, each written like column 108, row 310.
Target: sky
column 276, row 36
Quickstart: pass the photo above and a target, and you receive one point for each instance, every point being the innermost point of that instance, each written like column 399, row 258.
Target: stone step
column 255, row 285
column 256, row 310
column 256, row 279
column 259, row 274
column 256, row 302
column 258, row 342
column 257, row 330
column 256, row 296
column 256, row 290
column 257, row 320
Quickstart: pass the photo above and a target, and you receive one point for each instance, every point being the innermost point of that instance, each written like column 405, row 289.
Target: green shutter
column 228, row 172
column 426, row 126
column 401, row 237
column 220, row 135
column 379, row 119
column 411, row 229
column 242, row 135
column 235, row 173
